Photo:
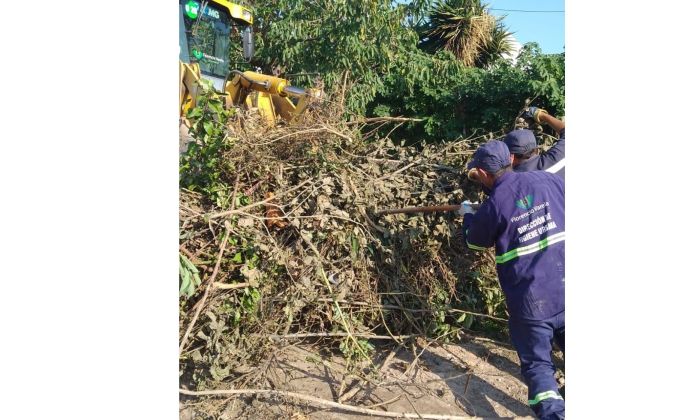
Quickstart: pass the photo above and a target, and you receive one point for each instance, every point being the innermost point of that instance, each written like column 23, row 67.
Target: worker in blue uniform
column 523, row 145
column 523, row 218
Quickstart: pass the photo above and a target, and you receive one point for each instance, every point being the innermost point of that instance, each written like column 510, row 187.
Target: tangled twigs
column 459, row 311
column 326, row 403
column 301, row 132
column 333, row 271
column 335, row 302
column 250, row 206
column 210, row 280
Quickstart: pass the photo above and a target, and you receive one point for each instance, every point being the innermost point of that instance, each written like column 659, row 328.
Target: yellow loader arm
column 189, row 88
column 272, row 96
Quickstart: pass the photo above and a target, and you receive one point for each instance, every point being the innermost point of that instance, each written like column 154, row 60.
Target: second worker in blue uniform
column 523, row 218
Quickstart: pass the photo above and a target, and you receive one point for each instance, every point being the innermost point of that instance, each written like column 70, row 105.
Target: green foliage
column 545, row 75
column 444, row 323
column 247, row 305
column 378, row 55
column 344, row 41
column 202, row 165
column 492, row 296
column 189, row 277
column 434, row 99
column 246, row 256
column 357, row 44
column 471, row 100
column 354, row 352
column 465, row 320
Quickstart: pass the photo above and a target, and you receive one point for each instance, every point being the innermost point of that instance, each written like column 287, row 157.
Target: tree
column 465, row 28
column 474, row 100
column 373, row 48
column 356, row 43
column 499, row 45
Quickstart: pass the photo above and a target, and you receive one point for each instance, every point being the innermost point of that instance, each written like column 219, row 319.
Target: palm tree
column 465, row 28
column 500, row 44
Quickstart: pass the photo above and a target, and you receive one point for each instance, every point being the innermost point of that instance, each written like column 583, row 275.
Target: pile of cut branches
column 288, row 244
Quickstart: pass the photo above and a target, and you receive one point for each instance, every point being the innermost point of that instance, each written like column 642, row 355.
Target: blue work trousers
column 533, row 342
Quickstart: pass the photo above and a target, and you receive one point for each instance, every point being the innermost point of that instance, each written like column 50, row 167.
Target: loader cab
column 206, row 31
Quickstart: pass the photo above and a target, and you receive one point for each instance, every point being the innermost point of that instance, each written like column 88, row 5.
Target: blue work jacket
column 524, row 218
column 551, row 161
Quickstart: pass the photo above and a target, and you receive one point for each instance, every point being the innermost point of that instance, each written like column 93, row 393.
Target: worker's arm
column 556, row 124
column 541, row 116
column 554, row 156
column 479, row 228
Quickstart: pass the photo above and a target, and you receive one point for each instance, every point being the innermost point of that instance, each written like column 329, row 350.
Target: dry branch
column 326, row 403
column 358, row 335
column 231, row 286
column 382, row 119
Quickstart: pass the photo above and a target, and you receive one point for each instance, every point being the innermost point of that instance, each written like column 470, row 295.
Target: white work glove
column 465, row 208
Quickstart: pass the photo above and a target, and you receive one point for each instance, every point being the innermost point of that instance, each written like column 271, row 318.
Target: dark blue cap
column 490, row 156
column 520, row 141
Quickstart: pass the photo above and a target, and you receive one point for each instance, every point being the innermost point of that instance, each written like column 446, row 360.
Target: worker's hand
column 534, row 113
column 465, row 208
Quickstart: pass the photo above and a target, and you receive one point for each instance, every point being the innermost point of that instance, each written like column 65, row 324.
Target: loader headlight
column 247, row 15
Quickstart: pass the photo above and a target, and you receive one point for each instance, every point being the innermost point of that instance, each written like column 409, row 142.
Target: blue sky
column 547, row 29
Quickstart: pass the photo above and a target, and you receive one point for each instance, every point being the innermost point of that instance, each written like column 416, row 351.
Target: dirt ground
column 469, row 378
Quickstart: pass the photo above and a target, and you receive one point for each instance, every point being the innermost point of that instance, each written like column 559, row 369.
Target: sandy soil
column 470, row 378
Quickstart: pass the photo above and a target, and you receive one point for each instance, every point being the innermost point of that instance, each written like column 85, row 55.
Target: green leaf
column 188, row 263
column 209, row 127
column 185, row 282
column 189, row 277
column 217, row 107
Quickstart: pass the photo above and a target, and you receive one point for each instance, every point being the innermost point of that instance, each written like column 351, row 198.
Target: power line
column 529, row 11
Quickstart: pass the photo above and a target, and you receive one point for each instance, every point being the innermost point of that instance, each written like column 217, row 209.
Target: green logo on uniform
column 197, row 54
column 191, row 9
column 524, row 203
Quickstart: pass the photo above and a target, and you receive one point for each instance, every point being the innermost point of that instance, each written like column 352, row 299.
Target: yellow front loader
column 206, row 29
